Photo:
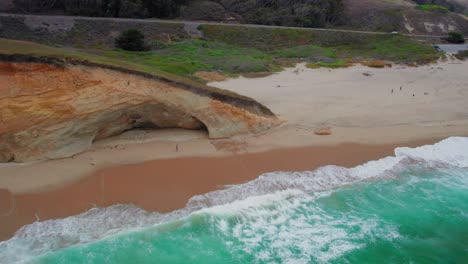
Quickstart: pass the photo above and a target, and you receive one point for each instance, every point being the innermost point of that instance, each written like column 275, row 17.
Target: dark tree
column 455, row 37
column 131, row 40
column 162, row 8
column 35, row 5
column 307, row 13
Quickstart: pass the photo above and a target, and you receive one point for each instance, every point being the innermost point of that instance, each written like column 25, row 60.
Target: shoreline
column 167, row 184
column 370, row 112
column 139, row 146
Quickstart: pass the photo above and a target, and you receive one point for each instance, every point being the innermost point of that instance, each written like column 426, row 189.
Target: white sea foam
column 51, row 235
column 453, row 151
column 289, row 226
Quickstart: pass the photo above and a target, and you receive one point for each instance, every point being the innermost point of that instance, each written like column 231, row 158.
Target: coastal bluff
column 56, row 107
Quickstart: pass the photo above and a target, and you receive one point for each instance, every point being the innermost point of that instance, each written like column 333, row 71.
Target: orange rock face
column 376, row 64
column 48, row 111
column 324, row 131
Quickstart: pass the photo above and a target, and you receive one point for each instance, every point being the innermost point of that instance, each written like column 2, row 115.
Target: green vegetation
column 305, row 52
column 394, row 48
column 451, row 5
column 301, row 43
column 265, row 39
column 432, row 8
column 189, row 56
column 8, row 46
column 231, row 53
column 131, row 40
column 455, row 37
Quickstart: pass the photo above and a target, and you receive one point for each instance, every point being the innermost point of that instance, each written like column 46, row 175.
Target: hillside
column 185, row 48
column 402, row 16
column 302, row 13
column 376, row 15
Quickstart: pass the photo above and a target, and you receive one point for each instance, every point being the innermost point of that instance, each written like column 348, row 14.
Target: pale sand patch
column 347, row 98
column 359, row 109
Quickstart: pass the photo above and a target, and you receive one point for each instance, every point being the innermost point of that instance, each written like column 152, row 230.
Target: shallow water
column 412, row 208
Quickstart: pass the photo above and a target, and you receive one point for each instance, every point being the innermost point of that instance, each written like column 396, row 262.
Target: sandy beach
column 370, row 112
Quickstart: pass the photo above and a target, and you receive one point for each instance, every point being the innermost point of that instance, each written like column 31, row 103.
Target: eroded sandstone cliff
column 51, row 108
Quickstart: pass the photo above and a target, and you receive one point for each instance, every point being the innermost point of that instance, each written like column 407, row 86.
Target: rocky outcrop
column 323, row 131
column 52, row 108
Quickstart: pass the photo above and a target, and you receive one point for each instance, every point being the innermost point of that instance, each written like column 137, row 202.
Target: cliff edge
column 54, row 108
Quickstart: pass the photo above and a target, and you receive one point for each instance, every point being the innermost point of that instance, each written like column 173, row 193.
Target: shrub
column 433, row 8
column 451, row 5
column 455, row 37
column 131, row 40
column 462, row 55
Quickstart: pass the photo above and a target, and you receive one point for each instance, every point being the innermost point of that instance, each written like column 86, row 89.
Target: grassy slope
column 8, row 46
column 189, row 56
column 394, row 48
column 235, row 50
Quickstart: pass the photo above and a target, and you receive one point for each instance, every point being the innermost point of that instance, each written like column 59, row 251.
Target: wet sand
column 167, row 184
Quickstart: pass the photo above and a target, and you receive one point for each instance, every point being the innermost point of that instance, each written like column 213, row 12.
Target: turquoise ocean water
column 411, row 208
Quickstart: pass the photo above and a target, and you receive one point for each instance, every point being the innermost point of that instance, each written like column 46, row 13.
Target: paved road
column 452, row 48
column 197, row 23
